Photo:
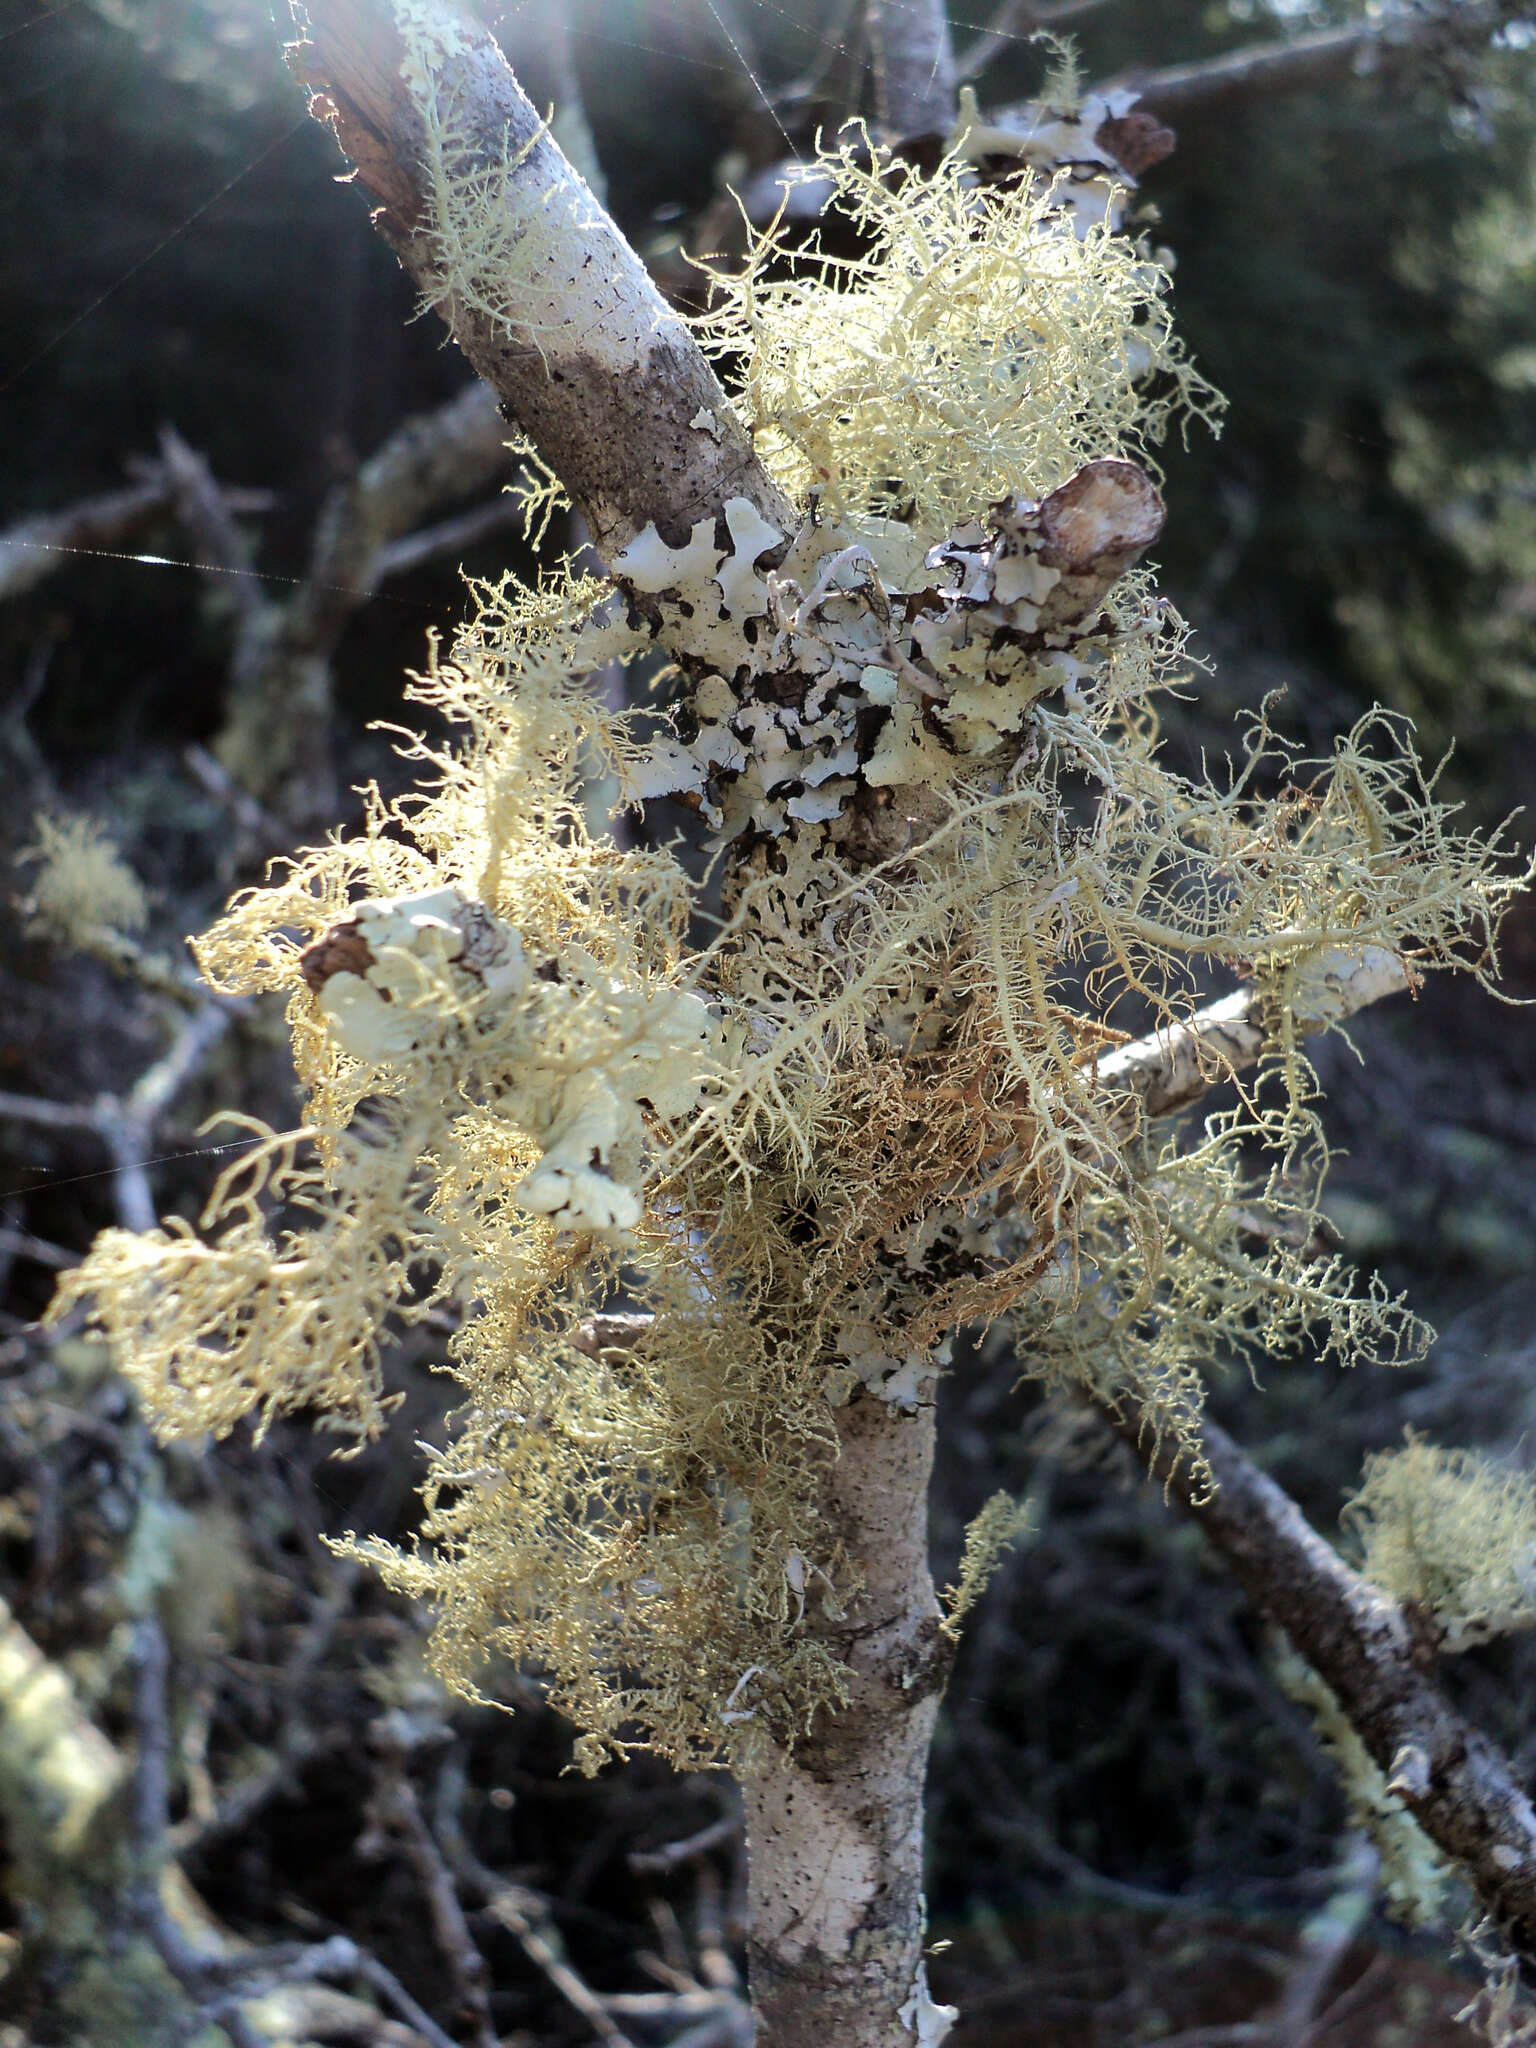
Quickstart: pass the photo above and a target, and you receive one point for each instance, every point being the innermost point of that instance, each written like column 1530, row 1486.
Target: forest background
column 1135, row 1829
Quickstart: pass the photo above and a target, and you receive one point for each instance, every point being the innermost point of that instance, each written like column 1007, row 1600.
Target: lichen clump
column 1452, row 1534
column 82, row 889
column 984, row 342
column 864, row 1109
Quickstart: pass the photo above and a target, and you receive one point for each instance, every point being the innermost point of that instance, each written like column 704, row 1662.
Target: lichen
column 980, row 346
column 1450, row 1533
column 1416, row 1880
column 864, row 1111
column 82, row 887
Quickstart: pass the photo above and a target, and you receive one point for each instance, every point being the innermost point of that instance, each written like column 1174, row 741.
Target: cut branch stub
column 543, row 294
column 1093, row 528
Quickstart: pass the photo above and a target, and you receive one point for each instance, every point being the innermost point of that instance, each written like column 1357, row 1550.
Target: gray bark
column 599, row 371
column 914, row 66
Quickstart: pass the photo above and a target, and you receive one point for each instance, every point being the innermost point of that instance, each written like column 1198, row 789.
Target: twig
column 256, row 824
column 655, row 1862
column 126, row 1124
column 1303, row 61
column 521, row 1913
column 447, row 537
column 1458, row 1785
column 396, row 1807
column 38, row 547
column 295, row 1746
column 221, row 1983
column 224, row 554
column 1174, row 1066
column 1325, row 1939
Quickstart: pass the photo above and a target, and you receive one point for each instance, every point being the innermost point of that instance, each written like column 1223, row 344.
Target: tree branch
column 1301, row 62
column 914, row 66
column 1172, row 1068
column 1459, row 1786
column 593, row 364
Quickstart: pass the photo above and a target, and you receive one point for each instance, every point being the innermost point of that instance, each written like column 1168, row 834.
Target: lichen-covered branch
column 563, row 322
column 1461, row 1789
column 707, row 1216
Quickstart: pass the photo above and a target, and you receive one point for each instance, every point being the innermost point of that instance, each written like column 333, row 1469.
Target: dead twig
column 519, row 1911
column 655, row 1862
column 394, row 1809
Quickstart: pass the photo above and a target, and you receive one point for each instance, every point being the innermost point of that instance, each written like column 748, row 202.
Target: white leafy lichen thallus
column 575, row 1056
column 916, row 667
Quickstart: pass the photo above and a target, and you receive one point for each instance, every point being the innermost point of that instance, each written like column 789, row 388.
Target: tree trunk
column 835, row 1832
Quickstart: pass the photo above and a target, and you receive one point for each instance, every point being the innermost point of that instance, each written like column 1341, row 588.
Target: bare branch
column 645, row 1862
column 522, row 1914
column 1301, row 62
column 1459, row 1787
column 1172, row 1068
column 126, row 1124
column 35, row 548
column 396, row 1807
column 447, row 537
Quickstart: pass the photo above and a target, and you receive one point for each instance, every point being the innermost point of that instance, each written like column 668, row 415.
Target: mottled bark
column 835, row 1834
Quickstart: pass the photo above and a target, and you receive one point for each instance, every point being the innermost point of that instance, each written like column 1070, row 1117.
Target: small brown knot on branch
column 1136, row 140
column 1093, row 528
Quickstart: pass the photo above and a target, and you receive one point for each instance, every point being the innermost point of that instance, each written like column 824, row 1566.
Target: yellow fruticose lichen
column 83, row 887
column 862, row 1112
column 1452, row 1533
column 980, row 346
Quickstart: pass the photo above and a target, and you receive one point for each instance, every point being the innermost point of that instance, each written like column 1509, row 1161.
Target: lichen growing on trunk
column 868, row 1110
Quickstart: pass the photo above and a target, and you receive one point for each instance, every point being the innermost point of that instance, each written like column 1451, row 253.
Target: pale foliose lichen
column 802, row 1144
column 1452, row 1534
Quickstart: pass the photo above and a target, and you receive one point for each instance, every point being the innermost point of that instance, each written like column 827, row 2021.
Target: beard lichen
column 868, row 1110
column 986, row 342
